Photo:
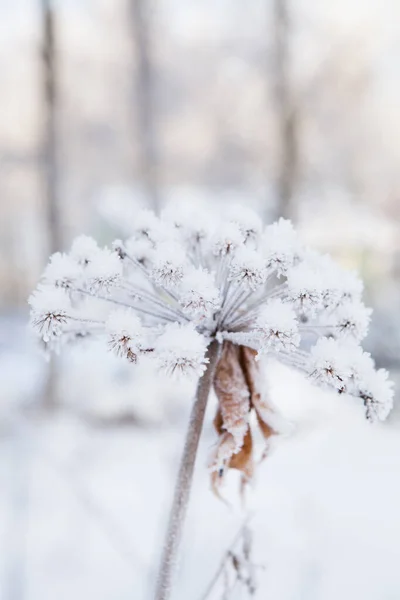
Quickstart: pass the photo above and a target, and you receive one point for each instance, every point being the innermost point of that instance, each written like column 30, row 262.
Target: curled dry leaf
column 233, row 393
column 238, row 389
column 259, row 402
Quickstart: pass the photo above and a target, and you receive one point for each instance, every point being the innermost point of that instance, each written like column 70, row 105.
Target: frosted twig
column 225, row 558
column 184, row 480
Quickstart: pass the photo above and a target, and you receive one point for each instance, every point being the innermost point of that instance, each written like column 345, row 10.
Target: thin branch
column 185, row 478
column 225, row 558
column 126, row 304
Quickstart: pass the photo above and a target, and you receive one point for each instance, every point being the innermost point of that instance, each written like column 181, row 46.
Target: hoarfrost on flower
column 84, row 249
column 147, row 226
column 192, row 223
column 377, row 392
column 305, row 289
column 62, row 271
column 280, row 246
column 247, row 220
column 180, row 350
column 126, row 335
column 194, row 276
column 227, row 239
column 50, row 308
column 248, row 267
column 329, row 365
column 104, row 272
column 351, row 320
column 278, row 327
column 141, row 250
column 199, row 296
column 169, row 265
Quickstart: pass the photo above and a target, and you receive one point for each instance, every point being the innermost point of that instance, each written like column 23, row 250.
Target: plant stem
column 185, row 478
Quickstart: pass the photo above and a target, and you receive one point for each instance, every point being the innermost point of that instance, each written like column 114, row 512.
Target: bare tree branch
column 225, row 558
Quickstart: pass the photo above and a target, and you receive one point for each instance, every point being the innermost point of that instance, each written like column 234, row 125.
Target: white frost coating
column 280, row 246
column 141, row 250
column 248, row 267
column 181, row 351
column 191, row 222
column 329, row 364
column 126, row 334
column 148, row 227
column 62, row 271
column 247, row 220
column 377, row 392
column 84, row 249
column 199, row 296
column 351, row 320
column 50, row 308
column 104, row 271
column 193, row 276
column 305, row 289
column 278, row 327
column 227, row 238
column 169, row 265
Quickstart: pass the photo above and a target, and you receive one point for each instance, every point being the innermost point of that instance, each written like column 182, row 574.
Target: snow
column 331, row 513
column 93, row 501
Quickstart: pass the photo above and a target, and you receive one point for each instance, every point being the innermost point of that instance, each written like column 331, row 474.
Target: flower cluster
column 189, row 277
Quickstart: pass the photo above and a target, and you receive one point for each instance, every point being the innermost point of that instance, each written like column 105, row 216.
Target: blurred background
column 290, row 106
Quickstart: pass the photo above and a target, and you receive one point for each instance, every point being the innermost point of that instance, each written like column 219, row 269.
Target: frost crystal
column 278, row 326
column 103, row 272
column 49, row 311
column 181, row 350
column 84, row 249
column 228, row 238
column 169, row 264
column 280, row 246
column 62, row 271
column 192, row 276
column 126, row 336
column 248, row 267
column 199, row 297
column 305, row 289
column 247, row 220
column 329, row 365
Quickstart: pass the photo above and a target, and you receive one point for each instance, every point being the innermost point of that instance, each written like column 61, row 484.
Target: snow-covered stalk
column 185, row 478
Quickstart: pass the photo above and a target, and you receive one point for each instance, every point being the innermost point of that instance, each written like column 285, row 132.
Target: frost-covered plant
column 206, row 295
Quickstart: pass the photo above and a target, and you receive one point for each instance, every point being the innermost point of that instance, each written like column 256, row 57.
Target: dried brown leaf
column 232, row 392
column 252, row 373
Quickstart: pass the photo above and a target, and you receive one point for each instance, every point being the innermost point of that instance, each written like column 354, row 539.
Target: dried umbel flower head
column 190, row 277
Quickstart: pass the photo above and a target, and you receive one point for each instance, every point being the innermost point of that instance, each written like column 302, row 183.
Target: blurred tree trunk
column 144, row 101
column 53, row 218
column 50, row 142
column 287, row 117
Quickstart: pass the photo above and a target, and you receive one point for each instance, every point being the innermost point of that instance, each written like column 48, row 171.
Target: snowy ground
column 84, row 503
